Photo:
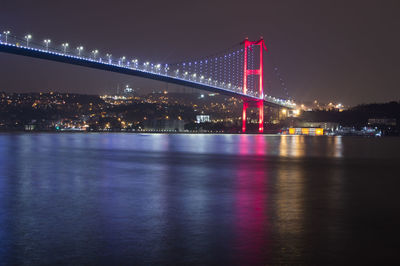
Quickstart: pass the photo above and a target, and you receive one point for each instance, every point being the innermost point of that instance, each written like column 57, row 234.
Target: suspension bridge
column 237, row 72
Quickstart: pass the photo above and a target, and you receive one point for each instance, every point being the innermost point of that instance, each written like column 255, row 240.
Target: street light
column 95, row 52
column 47, row 42
column 146, row 64
column 27, row 38
column 65, row 46
column 166, row 68
column 122, row 60
column 79, row 48
column 109, row 57
column 6, row 33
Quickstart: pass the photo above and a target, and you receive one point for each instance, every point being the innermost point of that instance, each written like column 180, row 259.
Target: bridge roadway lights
column 260, row 106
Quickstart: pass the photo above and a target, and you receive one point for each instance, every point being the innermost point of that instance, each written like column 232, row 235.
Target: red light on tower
column 244, row 117
column 247, row 72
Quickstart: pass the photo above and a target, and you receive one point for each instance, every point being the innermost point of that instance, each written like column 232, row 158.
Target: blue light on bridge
column 149, row 68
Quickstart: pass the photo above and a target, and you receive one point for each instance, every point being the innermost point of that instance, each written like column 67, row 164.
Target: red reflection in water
column 244, row 145
column 261, row 145
column 251, row 225
column 253, row 145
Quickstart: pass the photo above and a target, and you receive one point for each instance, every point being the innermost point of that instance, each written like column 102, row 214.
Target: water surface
column 118, row 199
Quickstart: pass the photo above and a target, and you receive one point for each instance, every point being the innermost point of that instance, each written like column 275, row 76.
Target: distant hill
column 357, row 116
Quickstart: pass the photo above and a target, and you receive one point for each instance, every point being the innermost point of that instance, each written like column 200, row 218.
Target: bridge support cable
column 276, row 78
column 222, row 73
column 222, row 69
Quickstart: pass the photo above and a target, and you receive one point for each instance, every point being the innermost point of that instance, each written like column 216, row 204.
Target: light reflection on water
column 233, row 199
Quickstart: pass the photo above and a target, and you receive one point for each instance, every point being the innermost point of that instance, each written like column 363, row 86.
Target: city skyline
column 310, row 72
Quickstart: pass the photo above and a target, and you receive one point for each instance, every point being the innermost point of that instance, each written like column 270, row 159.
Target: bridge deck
column 91, row 63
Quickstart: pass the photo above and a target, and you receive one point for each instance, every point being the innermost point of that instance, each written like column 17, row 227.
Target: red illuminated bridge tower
column 259, row 104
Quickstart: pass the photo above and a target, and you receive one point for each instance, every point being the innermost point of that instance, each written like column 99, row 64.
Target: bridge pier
column 244, row 116
column 260, row 106
column 260, row 116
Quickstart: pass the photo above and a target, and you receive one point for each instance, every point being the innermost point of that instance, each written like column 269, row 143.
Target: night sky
column 342, row 51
